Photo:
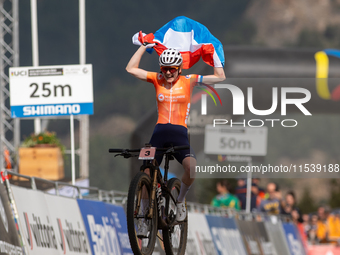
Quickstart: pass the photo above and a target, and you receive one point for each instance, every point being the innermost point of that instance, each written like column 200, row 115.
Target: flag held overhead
column 190, row 37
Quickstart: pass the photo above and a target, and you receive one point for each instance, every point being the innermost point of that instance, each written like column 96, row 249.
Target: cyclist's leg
column 189, row 164
column 157, row 140
column 187, row 158
column 188, row 178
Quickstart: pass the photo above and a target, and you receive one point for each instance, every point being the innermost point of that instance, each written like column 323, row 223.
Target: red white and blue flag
column 189, row 37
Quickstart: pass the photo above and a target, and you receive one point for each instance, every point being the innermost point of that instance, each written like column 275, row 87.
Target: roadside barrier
column 9, row 239
column 34, row 222
column 277, row 236
column 56, row 225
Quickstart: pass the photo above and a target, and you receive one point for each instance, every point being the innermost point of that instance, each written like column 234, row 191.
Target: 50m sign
column 51, row 90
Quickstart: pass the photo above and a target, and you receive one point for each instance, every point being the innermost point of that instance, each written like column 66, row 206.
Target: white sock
column 183, row 192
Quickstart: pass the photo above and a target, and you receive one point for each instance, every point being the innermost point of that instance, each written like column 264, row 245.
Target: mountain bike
column 151, row 203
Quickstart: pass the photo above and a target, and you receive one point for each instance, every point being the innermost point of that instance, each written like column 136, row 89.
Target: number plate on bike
column 147, row 153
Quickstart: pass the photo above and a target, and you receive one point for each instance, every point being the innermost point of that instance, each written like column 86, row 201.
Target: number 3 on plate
column 147, row 153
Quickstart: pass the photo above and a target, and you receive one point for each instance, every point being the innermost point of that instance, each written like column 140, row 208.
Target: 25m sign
column 47, row 90
column 51, row 91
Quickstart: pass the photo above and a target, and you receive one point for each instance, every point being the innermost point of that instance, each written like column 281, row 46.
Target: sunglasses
column 171, row 69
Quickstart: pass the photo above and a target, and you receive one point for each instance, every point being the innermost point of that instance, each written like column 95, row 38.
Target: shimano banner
column 9, row 239
column 226, row 236
column 51, row 90
column 106, row 227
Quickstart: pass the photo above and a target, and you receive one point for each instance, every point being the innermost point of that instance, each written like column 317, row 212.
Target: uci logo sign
column 19, row 73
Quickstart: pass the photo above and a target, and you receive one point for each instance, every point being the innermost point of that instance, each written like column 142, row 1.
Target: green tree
column 334, row 200
column 307, row 203
column 106, row 171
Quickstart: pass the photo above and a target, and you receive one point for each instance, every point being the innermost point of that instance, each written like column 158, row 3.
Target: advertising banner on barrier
column 324, row 249
column 68, row 225
column 117, row 217
column 249, row 234
column 50, row 224
column 293, row 240
column 106, row 228
column 38, row 232
column 277, row 236
column 9, row 239
column 266, row 245
column 226, row 236
column 256, row 238
column 199, row 237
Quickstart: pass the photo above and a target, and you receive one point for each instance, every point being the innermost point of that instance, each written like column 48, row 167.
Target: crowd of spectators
column 320, row 227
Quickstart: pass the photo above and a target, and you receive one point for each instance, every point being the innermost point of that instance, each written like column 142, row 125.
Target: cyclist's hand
column 149, row 45
column 141, row 37
column 143, row 41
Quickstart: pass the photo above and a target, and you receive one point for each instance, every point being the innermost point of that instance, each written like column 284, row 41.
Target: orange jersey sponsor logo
column 173, row 103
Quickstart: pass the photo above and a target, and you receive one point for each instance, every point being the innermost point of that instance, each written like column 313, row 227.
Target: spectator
column 312, row 236
column 278, row 193
column 322, row 213
column 322, row 228
column 261, row 193
column 224, row 197
column 333, row 223
column 306, row 221
column 241, row 193
column 326, row 225
column 288, row 207
column 271, row 205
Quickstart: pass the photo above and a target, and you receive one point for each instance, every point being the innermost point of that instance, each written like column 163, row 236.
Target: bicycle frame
column 157, row 178
column 153, row 193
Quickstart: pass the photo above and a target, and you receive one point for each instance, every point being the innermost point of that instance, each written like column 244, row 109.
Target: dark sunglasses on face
column 171, row 69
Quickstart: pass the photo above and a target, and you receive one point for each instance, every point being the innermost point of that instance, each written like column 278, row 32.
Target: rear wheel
column 138, row 207
column 175, row 236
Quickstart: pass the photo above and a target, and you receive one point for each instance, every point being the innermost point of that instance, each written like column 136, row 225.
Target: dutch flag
column 190, row 37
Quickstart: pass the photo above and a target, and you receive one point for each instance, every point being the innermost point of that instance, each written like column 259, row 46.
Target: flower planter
column 42, row 161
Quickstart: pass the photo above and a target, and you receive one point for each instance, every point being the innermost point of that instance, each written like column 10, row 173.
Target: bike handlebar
column 123, row 150
column 175, row 148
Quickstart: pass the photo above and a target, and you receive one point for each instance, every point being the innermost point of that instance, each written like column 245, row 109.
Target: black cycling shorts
column 166, row 135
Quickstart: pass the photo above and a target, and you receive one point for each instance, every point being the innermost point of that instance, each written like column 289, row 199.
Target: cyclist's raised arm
column 218, row 76
column 133, row 65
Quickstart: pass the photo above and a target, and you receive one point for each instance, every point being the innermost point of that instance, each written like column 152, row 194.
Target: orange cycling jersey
column 173, row 104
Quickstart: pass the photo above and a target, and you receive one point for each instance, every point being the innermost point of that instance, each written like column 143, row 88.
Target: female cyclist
column 173, row 93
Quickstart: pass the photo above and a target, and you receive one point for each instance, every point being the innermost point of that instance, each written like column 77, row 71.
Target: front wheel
column 174, row 236
column 138, row 206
